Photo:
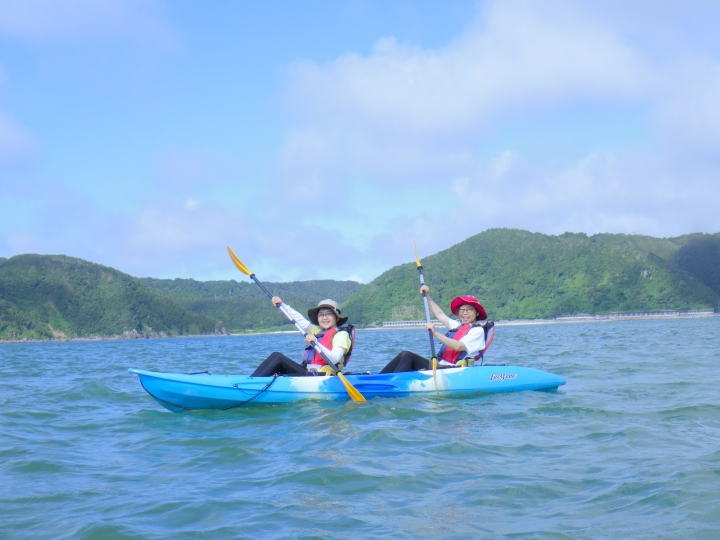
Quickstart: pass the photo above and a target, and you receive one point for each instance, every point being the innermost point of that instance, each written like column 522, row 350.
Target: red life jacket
column 312, row 356
column 452, row 356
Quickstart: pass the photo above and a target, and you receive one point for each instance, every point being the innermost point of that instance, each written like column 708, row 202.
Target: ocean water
column 629, row 448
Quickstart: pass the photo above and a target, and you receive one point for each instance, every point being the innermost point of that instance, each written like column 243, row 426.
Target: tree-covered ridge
column 700, row 256
column 242, row 306
column 54, row 296
column 515, row 274
column 518, row 274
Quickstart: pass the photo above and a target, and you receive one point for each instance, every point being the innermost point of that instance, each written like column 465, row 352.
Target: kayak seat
column 326, row 371
column 350, row 329
column 489, row 328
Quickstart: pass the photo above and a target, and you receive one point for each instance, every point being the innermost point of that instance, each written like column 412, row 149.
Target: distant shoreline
column 581, row 318
column 118, row 337
column 608, row 318
column 574, row 319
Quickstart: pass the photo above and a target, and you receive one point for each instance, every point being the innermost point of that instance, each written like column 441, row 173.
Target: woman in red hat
column 464, row 342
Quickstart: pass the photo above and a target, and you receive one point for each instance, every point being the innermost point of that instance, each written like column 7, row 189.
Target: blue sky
column 319, row 139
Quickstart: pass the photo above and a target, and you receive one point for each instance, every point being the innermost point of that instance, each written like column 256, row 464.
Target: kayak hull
column 179, row 391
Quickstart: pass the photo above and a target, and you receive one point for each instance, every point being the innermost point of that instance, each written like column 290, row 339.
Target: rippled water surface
column 629, row 448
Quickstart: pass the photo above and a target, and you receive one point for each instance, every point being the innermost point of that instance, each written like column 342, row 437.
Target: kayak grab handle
column 374, row 387
column 399, row 376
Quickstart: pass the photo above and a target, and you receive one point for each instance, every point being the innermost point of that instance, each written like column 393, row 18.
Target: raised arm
column 292, row 314
column 439, row 313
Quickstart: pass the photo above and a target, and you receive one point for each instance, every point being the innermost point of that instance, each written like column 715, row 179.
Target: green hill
column 518, row 274
column 515, row 274
column 54, row 296
column 242, row 306
column 700, row 256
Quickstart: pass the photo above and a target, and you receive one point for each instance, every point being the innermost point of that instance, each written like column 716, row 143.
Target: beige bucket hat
column 329, row 304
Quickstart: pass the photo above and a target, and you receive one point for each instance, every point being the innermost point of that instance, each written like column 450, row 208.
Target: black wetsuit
column 280, row 364
column 406, row 361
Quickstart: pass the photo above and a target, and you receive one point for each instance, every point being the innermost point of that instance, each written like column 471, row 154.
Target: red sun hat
column 468, row 301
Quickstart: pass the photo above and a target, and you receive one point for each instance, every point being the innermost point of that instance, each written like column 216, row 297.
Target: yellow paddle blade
column 238, row 263
column 434, row 366
column 417, row 259
column 354, row 393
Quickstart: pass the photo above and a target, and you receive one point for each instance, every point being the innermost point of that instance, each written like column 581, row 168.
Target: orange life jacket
column 450, row 355
column 312, row 356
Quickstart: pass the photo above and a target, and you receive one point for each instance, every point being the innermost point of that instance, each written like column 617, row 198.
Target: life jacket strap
column 489, row 330
column 310, row 354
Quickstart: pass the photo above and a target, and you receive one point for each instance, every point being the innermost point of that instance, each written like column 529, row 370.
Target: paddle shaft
column 297, row 325
column 353, row 392
column 427, row 312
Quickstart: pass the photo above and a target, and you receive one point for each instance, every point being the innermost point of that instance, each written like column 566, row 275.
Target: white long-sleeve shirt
column 338, row 351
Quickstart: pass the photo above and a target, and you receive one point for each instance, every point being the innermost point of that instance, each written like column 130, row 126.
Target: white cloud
column 408, row 107
column 167, row 227
column 602, row 192
column 22, row 241
column 688, row 108
column 410, row 118
column 410, row 143
column 16, row 143
column 187, row 169
column 41, row 20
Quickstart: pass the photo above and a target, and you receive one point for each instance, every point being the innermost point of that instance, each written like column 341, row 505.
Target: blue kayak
column 180, row 392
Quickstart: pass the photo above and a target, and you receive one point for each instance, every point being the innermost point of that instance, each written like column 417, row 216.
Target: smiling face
column 467, row 314
column 327, row 318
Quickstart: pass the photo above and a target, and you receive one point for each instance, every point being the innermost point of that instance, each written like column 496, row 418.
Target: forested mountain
column 515, row 274
column 518, row 274
column 54, row 296
column 242, row 306
column 700, row 256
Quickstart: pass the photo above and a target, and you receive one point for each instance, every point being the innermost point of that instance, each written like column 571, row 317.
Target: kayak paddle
column 427, row 319
column 353, row 392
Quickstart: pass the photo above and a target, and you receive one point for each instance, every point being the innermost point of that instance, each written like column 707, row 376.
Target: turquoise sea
column 629, row 448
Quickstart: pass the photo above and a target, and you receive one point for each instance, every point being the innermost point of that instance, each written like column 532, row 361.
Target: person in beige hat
column 325, row 330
